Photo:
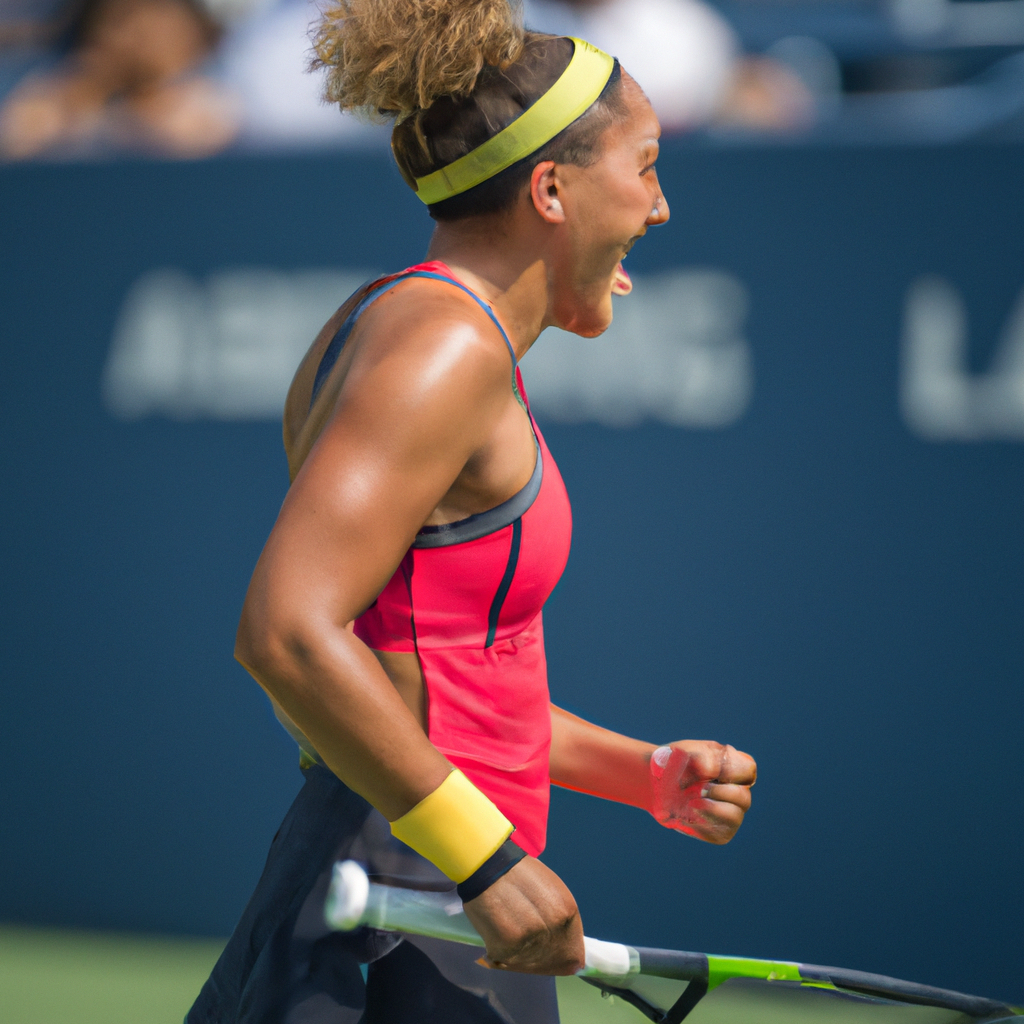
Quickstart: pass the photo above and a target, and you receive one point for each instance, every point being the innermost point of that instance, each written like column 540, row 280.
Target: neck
column 493, row 256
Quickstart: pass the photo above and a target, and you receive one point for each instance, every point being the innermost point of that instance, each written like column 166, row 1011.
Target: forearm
column 331, row 686
column 600, row 762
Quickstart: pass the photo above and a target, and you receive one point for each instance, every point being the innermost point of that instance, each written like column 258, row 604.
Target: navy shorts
column 283, row 965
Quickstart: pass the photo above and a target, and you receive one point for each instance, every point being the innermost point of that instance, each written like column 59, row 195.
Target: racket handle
column 353, row 900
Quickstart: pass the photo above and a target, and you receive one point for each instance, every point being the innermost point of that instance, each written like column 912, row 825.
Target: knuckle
column 567, row 919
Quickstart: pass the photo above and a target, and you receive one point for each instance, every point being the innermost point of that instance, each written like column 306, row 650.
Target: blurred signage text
column 941, row 398
column 227, row 349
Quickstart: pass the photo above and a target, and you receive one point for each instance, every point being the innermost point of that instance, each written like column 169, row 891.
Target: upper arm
column 421, row 393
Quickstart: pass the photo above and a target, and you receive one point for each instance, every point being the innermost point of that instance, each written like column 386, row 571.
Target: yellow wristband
column 456, row 827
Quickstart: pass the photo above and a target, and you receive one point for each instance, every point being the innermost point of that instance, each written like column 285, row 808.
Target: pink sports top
column 467, row 599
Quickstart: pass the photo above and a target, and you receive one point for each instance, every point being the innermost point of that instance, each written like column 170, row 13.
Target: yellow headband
column 569, row 98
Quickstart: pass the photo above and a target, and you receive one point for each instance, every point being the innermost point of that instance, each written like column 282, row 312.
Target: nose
column 660, row 212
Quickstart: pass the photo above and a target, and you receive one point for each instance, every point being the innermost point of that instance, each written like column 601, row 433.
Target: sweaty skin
column 417, row 424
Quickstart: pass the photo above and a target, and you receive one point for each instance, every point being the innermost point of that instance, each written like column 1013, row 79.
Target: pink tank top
column 467, row 599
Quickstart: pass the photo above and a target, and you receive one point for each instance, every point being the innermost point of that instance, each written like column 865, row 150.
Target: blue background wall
column 813, row 584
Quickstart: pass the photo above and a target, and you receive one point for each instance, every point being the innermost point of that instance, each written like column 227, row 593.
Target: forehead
column 640, row 124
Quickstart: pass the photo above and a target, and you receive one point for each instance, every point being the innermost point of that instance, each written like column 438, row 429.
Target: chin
column 588, row 320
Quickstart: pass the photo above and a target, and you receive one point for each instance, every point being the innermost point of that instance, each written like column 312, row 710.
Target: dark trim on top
column 376, row 290
column 506, row 582
column 337, row 343
column 494, row 519
column 483, row 523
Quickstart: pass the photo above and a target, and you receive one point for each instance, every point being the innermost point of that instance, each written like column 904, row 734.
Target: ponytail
column 450, row 75
column 391, row 58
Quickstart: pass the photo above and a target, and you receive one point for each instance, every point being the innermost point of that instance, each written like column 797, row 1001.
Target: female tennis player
column 394, row 617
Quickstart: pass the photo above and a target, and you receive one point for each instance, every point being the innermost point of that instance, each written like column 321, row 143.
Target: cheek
column 627, row 194
column 641, row 202
column 603, row 212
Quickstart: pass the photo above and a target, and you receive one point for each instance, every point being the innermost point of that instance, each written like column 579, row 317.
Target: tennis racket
column 353, row 901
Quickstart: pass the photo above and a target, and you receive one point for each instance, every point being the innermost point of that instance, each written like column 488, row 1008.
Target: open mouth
column 621, row 283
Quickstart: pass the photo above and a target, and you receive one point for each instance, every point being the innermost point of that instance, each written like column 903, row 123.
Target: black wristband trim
column 506, row 857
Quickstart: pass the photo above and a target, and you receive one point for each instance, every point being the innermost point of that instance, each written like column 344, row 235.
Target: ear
column 544, row 192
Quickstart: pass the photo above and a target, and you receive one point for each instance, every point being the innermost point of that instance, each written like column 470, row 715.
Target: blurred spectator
column 688, row 60
column 28, row 23
column 264, row 59
column 133, row 76
column 692, row 69
column 188, row 78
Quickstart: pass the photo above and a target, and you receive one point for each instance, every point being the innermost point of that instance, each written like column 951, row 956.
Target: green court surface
column 50, row 976
column 53, row 976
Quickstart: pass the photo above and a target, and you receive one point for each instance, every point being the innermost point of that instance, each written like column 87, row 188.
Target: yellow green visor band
column 569, row 98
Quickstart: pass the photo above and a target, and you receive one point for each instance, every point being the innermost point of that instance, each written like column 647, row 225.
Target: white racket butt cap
column 347, row 897
column 609, row 959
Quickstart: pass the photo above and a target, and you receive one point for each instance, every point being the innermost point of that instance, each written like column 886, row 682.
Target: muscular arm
column 416, row 406
column 698, row 787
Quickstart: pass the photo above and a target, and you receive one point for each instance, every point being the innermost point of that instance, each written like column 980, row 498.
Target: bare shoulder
column 423, row 350
column 300, row 391
column 433, row 325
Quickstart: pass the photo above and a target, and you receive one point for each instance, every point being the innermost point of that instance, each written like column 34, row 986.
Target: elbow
column 248, row 652
column 286, row 650
column 254, row 647
column 268, row 648
column 290, row 638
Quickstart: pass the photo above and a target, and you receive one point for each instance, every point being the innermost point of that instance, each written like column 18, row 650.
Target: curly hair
column 395, row 57
column 451, row 74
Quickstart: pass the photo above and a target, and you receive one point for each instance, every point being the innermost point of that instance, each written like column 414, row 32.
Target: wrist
column 657, row 762
column 456, row 827
column 503, row 860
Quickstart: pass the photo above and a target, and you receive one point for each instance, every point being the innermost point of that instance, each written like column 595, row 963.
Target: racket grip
column 354, row 901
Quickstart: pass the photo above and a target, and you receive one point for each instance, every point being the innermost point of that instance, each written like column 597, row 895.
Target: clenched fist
column 529, row 922
column 701, row 788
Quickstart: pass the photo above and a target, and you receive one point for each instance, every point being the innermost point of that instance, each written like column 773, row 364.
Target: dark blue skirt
column 283, row 965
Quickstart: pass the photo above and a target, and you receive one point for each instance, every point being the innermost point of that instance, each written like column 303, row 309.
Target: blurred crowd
column 191, row 78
